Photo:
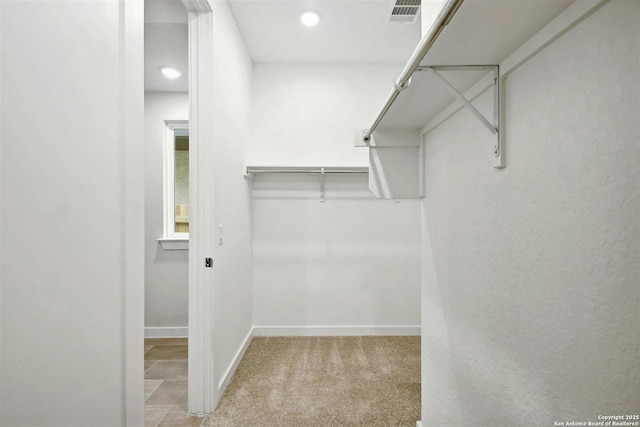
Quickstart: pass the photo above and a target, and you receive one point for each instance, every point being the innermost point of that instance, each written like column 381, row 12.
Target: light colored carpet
column 324, row 381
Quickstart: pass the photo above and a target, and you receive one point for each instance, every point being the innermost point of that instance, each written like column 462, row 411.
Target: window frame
column 169, row 161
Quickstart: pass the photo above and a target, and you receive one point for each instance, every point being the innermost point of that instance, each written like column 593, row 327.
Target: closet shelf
column 472, row 46
column 319, row 170
column 306, row 169
column 469, row 50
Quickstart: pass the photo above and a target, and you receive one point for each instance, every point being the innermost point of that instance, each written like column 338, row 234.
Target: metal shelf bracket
column 322, row 182
column 494, row 126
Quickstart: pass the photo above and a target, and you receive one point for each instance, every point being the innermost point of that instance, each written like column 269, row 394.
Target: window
column 176, row 182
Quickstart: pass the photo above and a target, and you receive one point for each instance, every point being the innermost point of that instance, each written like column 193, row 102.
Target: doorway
column 167, row 206
column 176, row 33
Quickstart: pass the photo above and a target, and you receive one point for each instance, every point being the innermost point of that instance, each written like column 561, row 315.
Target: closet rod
column 305, row 169
column 447, row 12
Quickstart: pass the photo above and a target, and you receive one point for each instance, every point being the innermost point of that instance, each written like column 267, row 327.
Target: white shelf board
column 483, row 32
column 307, row 169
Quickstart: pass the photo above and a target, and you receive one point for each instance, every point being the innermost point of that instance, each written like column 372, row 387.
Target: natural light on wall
column 430, row 9
column 181, row 180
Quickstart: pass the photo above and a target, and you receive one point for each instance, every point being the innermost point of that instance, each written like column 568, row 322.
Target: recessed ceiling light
column 170, row 73
column 310, row 19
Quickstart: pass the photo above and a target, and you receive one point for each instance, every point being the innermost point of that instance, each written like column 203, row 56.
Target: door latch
column 208, row 262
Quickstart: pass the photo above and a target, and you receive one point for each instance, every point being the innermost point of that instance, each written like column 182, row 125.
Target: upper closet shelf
column 464, row 46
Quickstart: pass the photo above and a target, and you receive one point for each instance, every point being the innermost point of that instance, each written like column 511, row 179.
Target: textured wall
column 531, row 313
column 351, row 261
column 166, row 272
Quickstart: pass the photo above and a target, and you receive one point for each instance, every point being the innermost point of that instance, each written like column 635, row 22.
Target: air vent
column 404, row 11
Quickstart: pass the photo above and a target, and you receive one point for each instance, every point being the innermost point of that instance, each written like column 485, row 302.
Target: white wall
column 166, row 272
column 531, row 314
column 352, row 261
column 72, row 213
column 307, row 114
column 232, row 260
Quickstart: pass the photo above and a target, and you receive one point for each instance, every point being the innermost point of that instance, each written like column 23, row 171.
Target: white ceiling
column 349, row 32
column 165, row 45
column 354, row 32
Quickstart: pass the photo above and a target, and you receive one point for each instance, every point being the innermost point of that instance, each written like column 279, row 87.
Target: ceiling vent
column 404, row 11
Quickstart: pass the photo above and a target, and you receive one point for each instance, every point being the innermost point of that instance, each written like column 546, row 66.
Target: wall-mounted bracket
column 322, row 182
column 399, row 87
column 494, row 126
column 365, row 139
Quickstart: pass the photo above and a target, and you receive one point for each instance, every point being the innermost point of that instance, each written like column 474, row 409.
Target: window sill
column 174, row 244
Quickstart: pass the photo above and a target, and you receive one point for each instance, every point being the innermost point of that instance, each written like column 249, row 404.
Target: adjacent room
column 167, row 203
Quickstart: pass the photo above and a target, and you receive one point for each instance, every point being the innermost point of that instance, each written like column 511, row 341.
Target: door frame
column 202, row 392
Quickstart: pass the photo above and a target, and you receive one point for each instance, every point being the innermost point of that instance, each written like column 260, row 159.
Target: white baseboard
column 166, row 332
column 327, row 331
column 418, row 423
column 224, row 382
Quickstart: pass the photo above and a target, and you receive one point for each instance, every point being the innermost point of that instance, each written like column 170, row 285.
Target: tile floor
column 165, row 383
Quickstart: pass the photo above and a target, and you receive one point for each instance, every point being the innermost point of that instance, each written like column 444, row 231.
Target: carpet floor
column 324, row 381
